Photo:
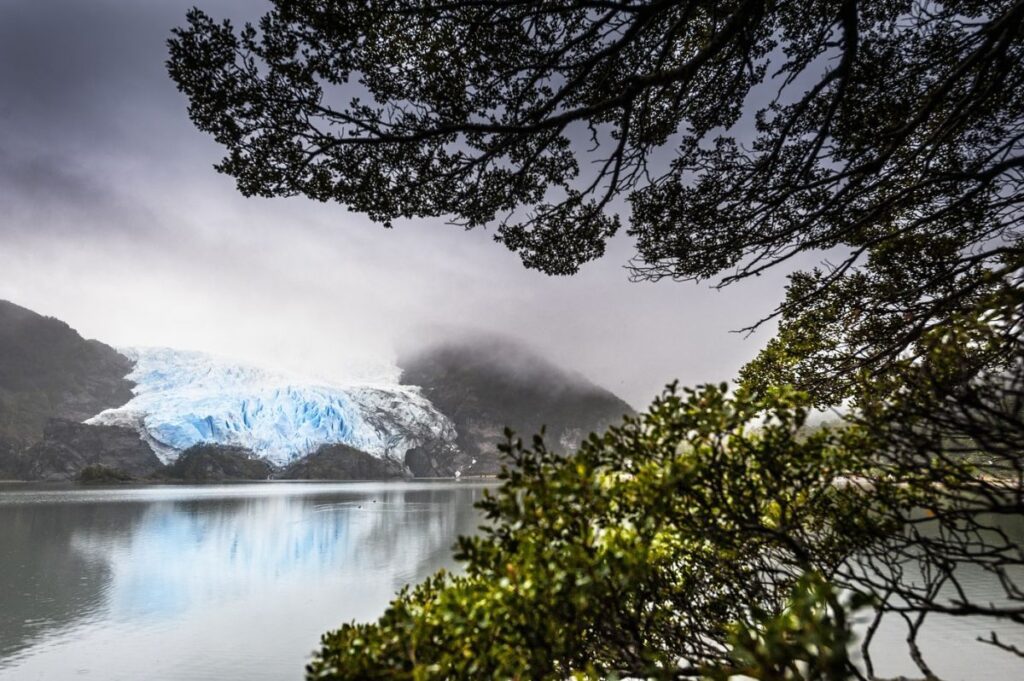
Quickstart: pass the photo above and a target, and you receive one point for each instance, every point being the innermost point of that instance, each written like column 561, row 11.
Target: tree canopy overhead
column 871, row 119
column 739, row 133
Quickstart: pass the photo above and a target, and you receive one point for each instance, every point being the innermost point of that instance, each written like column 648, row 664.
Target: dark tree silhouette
column 706, row 536
column 741, row 133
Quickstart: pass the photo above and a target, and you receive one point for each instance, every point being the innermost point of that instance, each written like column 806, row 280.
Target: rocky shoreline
column 74, row 452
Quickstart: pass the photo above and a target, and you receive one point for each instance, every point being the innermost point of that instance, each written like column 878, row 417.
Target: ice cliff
column 185, row 398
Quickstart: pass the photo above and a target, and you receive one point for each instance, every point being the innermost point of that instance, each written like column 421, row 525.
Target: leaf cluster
column 638, row 556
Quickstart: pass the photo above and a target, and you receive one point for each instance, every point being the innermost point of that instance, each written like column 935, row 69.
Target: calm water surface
column 208, row 582
column 239, row 581
column 950, row 644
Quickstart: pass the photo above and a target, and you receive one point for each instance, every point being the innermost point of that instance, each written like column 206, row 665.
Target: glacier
column 183, row 398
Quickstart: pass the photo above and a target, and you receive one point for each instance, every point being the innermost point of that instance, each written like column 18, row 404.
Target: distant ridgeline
column 484, row 384
column 72, row 409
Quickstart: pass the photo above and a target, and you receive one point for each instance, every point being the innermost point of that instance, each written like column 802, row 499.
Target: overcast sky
column 112, row 219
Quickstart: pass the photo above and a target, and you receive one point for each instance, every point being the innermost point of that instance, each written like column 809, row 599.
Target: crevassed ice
column 185, row 398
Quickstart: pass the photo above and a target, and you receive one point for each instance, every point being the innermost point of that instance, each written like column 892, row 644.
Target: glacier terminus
column 183, row 398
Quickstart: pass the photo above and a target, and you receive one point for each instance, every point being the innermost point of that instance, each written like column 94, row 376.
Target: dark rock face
column 485, row 384
column 212, row 463
column 341, row 462
column 435, row 460
column 10, row 459
column 49, row 371
column 68, row 448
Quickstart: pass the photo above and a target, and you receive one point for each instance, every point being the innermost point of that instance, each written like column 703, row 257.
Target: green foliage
column 808, row 640
column 836, row 337
column 710, row 536
column 959, row 399
column 98, row 474
column 636, row 556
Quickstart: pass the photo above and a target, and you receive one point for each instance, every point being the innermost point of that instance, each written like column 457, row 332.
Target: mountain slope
column 341, row 462
column 216, row 463
column 49, row 371
column 486, row 383
column 143, row 408
column 69, row 447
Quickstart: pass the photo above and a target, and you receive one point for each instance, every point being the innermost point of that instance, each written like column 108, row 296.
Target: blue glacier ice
column 185, row 398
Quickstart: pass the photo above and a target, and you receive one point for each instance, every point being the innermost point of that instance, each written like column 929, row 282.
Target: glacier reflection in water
column 239, row 581
column 208, row 582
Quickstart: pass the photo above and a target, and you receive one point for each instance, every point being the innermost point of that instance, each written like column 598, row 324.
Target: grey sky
column 112, row 219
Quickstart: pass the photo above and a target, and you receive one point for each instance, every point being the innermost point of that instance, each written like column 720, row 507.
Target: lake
column 169, row 583
column 208, row 582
